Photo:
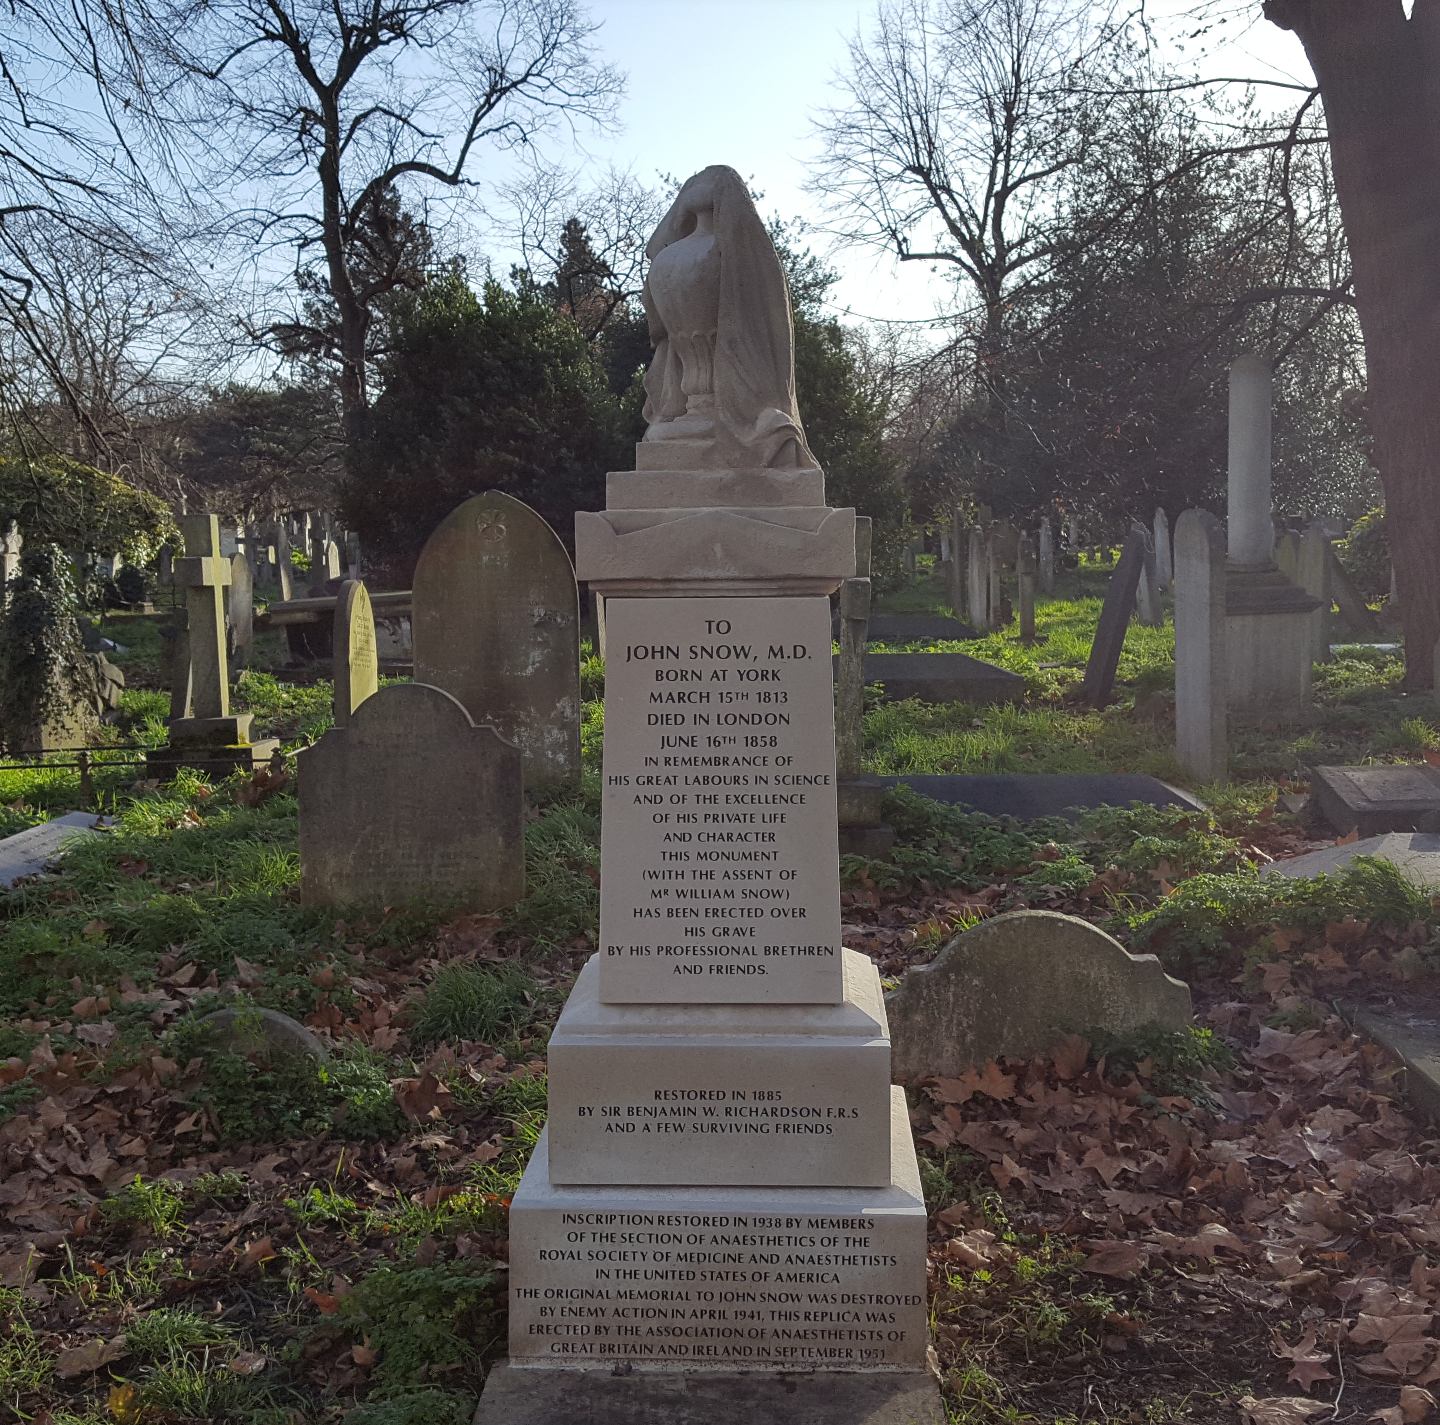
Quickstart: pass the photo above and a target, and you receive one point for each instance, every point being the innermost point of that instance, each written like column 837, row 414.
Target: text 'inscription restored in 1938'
column 721, row 879
column 762, row 1289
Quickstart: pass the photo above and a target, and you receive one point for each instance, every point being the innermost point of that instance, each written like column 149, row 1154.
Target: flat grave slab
column 1374, row 800
column 1047, row 794
column 902, row 628
column 941, row 678
column 1416, row 853
column 28, row 852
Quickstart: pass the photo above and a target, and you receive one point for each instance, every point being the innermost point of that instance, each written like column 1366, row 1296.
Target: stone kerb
column 495, row 622
column 412, row 798
column 1014, row 985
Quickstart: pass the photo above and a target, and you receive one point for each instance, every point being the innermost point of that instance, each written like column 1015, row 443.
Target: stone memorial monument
column 1268, row 637
column 356, row 657
column 727, row 1190
column 495, row 621
column 208, row 737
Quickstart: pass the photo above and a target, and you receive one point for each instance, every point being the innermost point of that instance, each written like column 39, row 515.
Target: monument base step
column 164, row 762
column 543, row 1395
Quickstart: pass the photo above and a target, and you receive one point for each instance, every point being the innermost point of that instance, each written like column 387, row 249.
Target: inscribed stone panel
column 357, row 662
column 719, row 832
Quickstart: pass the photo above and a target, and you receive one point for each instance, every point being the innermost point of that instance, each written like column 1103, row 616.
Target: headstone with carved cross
column 496, row 624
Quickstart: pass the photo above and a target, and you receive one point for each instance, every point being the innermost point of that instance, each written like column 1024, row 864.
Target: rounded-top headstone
column 357, row 663
column 496, row 623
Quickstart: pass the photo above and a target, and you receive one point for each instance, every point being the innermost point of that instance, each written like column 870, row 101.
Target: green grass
column 474, row 1002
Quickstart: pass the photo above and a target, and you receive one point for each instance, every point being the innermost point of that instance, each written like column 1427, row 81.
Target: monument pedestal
column 759, row 1278
column 1269, row 643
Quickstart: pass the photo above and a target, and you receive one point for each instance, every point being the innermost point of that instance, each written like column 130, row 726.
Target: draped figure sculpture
column 720, row 393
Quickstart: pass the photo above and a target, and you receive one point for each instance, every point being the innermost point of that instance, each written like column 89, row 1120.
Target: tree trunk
column 1379, row 77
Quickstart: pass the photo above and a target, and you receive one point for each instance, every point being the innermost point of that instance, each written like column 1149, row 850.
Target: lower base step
column 542, row 1395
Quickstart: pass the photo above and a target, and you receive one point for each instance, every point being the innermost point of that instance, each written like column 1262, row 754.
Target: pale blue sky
column 738, row 81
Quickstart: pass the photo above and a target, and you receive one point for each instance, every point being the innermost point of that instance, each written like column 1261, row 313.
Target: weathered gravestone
column 1164, row 554
column 1147, row 591
column 357, row 661
column 241, row 608
column 1114, row 621
column 1373, row 800
column 496, row 623
column 1025, row 566
column 411, row 798
column 1015, row 985
column 1047, row 557
column 1200, row 668
column 978, row 581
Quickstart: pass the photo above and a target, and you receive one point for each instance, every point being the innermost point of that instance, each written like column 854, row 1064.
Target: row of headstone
column 419, row 788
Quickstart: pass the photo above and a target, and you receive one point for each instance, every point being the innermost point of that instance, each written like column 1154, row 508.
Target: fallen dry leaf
column 247, row 1363
column 1070, row 1056
column 257, row 1252
column 124, row 1403
column 81, row 1360
column 1280, row 1409
column 1114, row 1259
column 327, row 1305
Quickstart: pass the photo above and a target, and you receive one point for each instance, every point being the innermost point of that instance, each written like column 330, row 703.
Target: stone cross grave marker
column 411, row 798
column 1164, row 553
column 357, row 662
column 496, row 623
column 204, row 574
column 1200, row 668
column 1114, row 620
column 241, row 609
column 1047, row 557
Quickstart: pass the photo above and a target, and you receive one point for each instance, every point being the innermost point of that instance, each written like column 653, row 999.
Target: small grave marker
column 357, row 663
column 1374, row 800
